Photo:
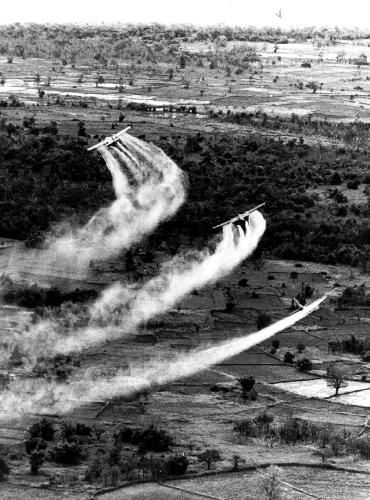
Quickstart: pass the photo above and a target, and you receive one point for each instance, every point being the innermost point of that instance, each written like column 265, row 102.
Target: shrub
column 94, row 469
column 301, row 347
column 353, row 184
column 270, row 484
column 275, row 343
column 248, row 428
column 304, row 364
column 126, row 435
column 289, row 358
column 136, row 436
column 263, row 320
column 153, row 440
column 4, row 469
column 43, row 429
column 66, row 453
column 35, row 443
column 37, row 458
column 264, row 420
column 177, row 464
column 335, row 179
column 73, row 432
column 247, row 384
column 293, row 431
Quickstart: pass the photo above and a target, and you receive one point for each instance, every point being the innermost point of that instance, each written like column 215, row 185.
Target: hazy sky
column 234, row 12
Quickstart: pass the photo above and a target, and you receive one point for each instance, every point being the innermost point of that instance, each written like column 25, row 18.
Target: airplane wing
column 96, row 146
column 118, row 135
column 109, row 140
column 240, row 216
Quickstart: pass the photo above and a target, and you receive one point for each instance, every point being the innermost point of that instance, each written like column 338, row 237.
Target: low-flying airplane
column 239, row 219
column 109, row 140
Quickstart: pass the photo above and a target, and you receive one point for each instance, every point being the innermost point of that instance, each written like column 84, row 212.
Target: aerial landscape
column 184, row 260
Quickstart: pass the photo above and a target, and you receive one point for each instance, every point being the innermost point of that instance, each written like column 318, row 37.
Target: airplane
column 240, row 219
column 109, row 140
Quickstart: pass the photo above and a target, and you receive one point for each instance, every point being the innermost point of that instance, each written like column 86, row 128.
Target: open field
column 200, row 418
column 270, row 86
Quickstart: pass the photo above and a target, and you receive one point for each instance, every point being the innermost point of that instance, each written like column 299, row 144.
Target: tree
column 209, row 457
column 337, row 377
column 247, row 384
column 301, row 347
column 236, row 461
column 182, row 61
column 177, row 464
column 81, row 129
column 304, row 364
column 37, row 458
column 289, row 358
column 263, row 320
column 4, row 469
column 43, row 429
column 99, row 80
column 270, row 484
column 67, row 453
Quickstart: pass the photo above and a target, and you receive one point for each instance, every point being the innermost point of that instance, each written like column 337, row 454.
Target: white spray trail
column 176, row 281
column 23, row 397
column 142, row 202
column 127, row 307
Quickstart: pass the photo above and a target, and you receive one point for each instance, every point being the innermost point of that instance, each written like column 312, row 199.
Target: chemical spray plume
column 149, row 188
column 35, row 396
column 124, row 308
column 142, row 201
column 182, row 275
column 178, row 278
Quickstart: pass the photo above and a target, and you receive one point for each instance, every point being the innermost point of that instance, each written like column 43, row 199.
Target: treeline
column 295, row 431
column 35, row 296
column 70, row 44
column 356, row 296
column 103, row 46
column 352, row 344
column 356, row 134
column 58, row 33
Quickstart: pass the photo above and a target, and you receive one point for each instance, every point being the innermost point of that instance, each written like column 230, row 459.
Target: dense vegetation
column 28, row 40
column 228, row 174
column 35, row 297
column 105, row 46
column 46, row 179
column 294, row 431
column 356, row 134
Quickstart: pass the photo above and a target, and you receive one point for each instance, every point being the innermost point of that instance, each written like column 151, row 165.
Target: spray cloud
column 149, row 188
column 132, row 305
column 23, row 397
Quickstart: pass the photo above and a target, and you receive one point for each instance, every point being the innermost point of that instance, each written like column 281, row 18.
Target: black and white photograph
column 185, row 250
